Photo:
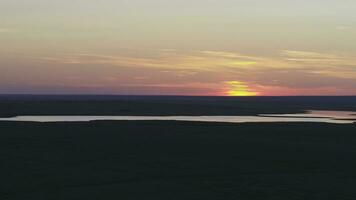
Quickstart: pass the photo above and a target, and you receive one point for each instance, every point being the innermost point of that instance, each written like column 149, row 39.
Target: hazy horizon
column 159, row 95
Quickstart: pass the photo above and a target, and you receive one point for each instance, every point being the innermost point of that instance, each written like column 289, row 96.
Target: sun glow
column 236, row 88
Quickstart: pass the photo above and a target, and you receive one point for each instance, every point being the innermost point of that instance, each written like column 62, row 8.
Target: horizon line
column 157, row 95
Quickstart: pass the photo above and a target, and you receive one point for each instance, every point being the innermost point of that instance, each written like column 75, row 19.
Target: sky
column 178, row 47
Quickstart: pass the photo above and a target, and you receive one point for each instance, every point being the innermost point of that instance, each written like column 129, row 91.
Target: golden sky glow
column 171, row 47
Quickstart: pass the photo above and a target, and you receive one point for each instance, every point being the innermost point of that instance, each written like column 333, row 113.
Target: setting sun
column 236, row 88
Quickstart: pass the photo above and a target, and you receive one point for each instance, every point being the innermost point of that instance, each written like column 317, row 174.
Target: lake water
column 337, row 117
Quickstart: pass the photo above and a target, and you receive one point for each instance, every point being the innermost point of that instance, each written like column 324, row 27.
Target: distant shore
column 15, row 105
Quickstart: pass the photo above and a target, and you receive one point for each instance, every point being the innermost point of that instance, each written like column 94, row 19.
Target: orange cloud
column 288, row 73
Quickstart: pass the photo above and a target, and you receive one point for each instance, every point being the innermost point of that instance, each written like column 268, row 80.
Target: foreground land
column 177, row 160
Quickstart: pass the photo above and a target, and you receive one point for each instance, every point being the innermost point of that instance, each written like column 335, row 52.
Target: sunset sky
column 178, row 47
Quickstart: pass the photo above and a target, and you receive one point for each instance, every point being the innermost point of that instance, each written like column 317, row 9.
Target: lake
column 336, row 117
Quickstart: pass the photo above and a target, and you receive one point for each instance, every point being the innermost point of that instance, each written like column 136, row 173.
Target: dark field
column 177, row 160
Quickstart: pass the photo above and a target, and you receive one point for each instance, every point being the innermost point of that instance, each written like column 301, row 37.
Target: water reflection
column 338, row 117
column 319, row 114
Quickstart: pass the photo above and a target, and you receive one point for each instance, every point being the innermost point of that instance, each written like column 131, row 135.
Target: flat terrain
column 177, row 160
